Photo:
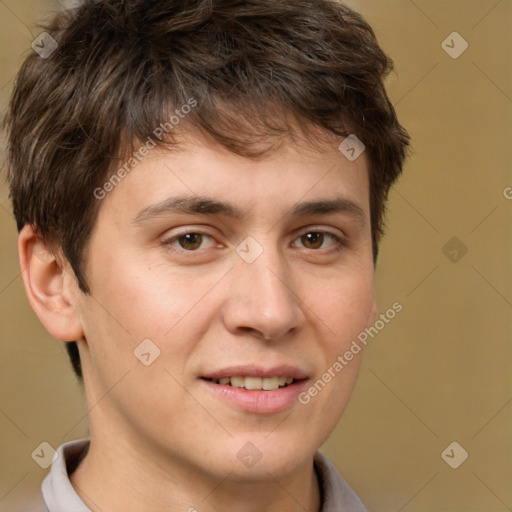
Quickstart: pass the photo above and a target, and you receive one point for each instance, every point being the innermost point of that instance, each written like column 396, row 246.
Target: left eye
column 316, row 239
column 191, row 241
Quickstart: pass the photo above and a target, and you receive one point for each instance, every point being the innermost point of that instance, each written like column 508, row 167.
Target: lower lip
column 261, row 402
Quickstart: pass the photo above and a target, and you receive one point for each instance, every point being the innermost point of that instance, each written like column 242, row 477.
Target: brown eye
column 312, row 240
column 190, row 241
column 321, row 241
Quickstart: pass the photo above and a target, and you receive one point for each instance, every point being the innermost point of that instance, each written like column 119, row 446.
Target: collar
column 60, row 496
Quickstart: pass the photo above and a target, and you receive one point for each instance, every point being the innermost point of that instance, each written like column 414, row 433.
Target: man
column 200, row 188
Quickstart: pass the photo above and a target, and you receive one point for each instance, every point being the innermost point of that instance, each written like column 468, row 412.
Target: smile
column 254, row 383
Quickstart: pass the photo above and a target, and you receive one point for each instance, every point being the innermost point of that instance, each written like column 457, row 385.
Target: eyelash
column 339, row 246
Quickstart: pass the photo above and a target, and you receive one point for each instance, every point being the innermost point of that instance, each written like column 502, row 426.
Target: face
column 213, row 276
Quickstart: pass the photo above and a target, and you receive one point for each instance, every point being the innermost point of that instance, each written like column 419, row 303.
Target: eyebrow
column 210, row 206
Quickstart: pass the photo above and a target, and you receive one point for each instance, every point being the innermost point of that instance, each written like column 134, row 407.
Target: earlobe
column 48, row 287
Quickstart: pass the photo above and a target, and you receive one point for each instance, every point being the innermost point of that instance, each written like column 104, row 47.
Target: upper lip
column 257, row 371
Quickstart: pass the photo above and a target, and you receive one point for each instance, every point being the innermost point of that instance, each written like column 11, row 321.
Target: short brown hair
column 121, row 66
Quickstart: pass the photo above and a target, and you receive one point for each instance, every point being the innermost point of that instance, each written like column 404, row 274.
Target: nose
column 262, row 300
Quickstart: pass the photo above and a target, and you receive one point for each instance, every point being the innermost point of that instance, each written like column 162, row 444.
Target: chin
column 254, row 456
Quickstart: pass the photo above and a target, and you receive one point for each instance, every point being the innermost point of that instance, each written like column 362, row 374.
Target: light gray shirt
column 58, row 495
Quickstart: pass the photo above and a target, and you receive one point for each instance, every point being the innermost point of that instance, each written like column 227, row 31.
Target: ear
column 50, row 288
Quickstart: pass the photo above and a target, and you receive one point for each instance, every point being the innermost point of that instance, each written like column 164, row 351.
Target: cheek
column 344, row 305
column 133, row 301
column 343, row 308
column 145, row 300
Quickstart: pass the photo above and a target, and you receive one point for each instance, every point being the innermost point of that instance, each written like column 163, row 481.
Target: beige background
column 440, row 371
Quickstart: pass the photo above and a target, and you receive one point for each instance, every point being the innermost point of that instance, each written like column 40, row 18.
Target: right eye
column 190, row 241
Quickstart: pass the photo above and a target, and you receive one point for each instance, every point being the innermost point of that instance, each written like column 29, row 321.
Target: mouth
column 256, row 389
column 254, row 383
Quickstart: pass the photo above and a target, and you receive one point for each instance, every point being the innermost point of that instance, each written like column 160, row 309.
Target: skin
column 160, row 440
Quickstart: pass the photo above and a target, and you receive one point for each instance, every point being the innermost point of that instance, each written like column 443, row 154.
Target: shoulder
column 337, row 496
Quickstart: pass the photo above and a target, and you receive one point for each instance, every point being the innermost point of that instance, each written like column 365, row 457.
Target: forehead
column 198, row 177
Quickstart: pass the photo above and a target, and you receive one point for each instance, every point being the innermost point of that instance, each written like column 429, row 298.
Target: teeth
column 270, row 383
column 238, row 382
column 255, row 383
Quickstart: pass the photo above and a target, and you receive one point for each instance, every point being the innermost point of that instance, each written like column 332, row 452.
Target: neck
column 121, row 476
